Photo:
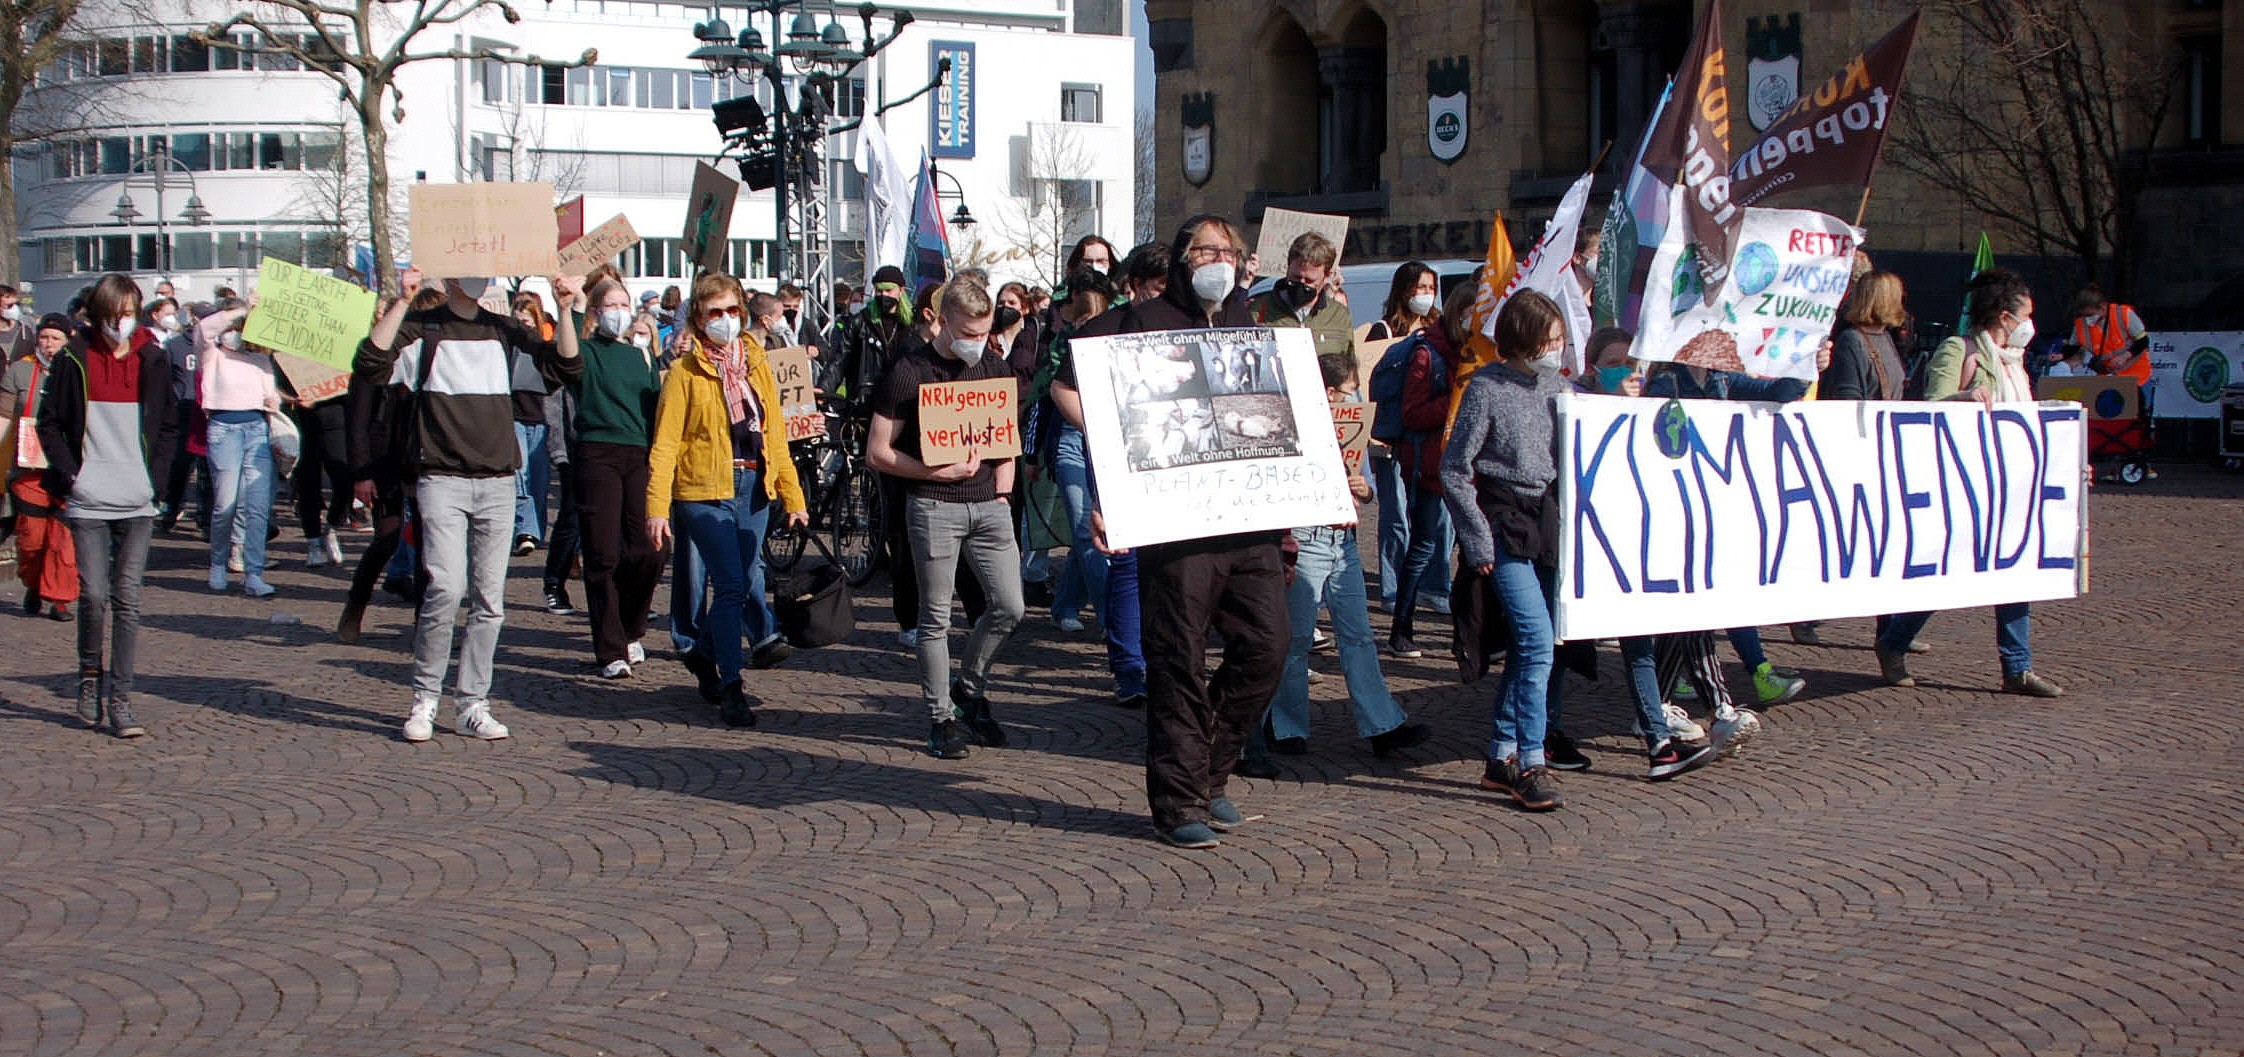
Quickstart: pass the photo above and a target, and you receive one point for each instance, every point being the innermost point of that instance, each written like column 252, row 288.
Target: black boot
column 735, row 710
column 89, row 696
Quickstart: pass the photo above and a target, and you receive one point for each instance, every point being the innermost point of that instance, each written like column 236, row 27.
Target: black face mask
column 884, row 305
column 791, row 314
column 1294, row 294
column 1006, row 317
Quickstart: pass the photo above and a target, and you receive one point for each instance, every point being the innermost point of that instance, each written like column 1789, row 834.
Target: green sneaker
column 1773, row 688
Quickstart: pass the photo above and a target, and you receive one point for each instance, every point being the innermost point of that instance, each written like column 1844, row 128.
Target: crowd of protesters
column 629, row 437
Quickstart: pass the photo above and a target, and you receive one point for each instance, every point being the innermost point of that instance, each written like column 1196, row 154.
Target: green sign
column 304, row 313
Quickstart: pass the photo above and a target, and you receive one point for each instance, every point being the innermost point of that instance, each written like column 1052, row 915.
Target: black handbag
column 813, row 601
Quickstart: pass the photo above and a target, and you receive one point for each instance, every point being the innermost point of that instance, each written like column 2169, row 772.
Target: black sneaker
column 1498, row 777
column 89, row 696
column 704, row 673
column 1536, row 789
column 772, row 653
column 1671, row 758
column 1402, row 646
column 524, row 544
column 1129, row 699
column 1403, row 737
column 1320, row 641
column 735, row 710
column 1249, row 767
column 945, row 741
column 974, row 711
column 1561, row 752
column 557, row 602
column 31, row 603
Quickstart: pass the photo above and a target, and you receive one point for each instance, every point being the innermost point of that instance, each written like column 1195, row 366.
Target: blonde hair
column 964, row 298
column 1875, row 302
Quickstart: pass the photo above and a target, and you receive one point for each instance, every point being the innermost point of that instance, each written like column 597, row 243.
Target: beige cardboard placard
column 461, row 231
column 798, row 396
column 598, row 246
column 709, row 216
column 2106, row 398
column 957, row 417
column 1367, row 357
column 1351, row 423
column 313, row 381
column 1281, row 226
column 303, row 313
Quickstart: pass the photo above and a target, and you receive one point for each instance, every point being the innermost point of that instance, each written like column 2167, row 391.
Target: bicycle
column 843, row 496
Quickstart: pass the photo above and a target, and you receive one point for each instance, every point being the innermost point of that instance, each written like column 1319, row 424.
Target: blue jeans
column 1125, row 649
column 1429, row 550
column 1330, row 572
column 1747, row 641
column 1071, row 467
column 1641, row 660
column 1527, row 698
column 241, row 465
column 689, row 584
column 2013, row 630
column 729, row 533
column 1398, row 539
column 531, row 481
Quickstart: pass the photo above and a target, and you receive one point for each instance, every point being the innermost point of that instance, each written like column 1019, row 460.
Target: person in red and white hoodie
column 105, row 422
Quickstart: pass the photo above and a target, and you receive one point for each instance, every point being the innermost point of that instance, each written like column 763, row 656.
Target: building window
column 2201, row 90
column 191, row 251
column 192, row 149
column 189, row 55
column 619, row 87
column 552, row 85
column 1080, row 103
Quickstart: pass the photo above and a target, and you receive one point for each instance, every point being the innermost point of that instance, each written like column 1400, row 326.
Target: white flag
column 888, row 200
column 1549, row 270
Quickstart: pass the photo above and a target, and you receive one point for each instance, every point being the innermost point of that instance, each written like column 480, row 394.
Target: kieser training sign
column 1689, row 515
column 1198, row 433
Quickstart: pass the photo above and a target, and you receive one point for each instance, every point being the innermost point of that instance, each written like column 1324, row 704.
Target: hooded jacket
column 64, row 411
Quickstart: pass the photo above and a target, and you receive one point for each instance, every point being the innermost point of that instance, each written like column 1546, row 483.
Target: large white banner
column 1198, row 433
column 1698, row 515
column 1787, row 274
column 2189, row 370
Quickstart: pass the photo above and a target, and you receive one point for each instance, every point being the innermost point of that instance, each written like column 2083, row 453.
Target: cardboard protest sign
column 303, row 313
column 569, row 221
column 313, row 382
column 1787, row 274
column 798, row 396
column 462, row 231
column 1281, row 226
column 956, row 418
column 2105, row 398
column 1685, row 514
column 598, row 246
column 709, row 216
column 1368, row 353
column 1351, row 425
column 1199, row 433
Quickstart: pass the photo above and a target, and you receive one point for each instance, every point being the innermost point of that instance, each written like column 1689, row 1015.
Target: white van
column 1367, row 283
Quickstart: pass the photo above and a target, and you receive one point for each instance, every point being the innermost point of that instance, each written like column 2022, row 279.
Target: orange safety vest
column 2111, row 337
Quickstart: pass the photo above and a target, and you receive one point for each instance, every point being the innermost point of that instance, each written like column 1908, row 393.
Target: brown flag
column 1690, row 146
column 1831, row 136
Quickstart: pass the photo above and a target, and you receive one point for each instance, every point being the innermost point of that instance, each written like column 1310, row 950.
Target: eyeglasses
column 1216, row 253
column 728, row 310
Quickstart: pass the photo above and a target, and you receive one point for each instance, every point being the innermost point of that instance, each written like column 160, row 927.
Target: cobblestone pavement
column 1931, row 871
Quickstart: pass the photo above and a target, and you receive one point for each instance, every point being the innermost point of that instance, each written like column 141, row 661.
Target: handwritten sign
column 798, row 396
column 1677, row 515
column 1368, row 352
column 304, row 313
column 955, row 417
column 1787, row 274
column 709, row 216
column 313, row 382
column 1351, row 423
column 598, row 246
column 1281, row 226
column 461, row 231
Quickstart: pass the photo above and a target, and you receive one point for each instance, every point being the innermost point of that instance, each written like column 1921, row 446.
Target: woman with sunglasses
column 719, row 459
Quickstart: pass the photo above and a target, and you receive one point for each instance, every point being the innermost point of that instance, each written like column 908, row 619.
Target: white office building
column 1035, row 142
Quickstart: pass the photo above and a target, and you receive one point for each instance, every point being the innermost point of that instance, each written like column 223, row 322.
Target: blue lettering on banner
column 952, row 115
column 1814, row 496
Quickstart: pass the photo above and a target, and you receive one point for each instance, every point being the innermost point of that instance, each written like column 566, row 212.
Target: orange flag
column 1495, row 280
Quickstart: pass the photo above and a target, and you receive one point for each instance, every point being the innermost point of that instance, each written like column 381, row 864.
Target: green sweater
column 616, row 398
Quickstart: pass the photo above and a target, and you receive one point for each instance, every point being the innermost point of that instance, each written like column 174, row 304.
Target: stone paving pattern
column 1941, row 870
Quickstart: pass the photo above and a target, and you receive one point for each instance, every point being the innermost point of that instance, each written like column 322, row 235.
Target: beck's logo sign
column 1198, row 110
column 1772, row 68
column 1448, row 85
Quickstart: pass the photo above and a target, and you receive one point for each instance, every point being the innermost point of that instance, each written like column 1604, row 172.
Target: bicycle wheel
column 783, row 546
column 856, row 526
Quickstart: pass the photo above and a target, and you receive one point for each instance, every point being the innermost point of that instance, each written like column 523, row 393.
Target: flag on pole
column 1549, row 270
column 929, row 258
column 1633, row 230
column 1980, row 261
column 1829, row 137
column 1687, row 146
column 1496, row 275
column 888, row 192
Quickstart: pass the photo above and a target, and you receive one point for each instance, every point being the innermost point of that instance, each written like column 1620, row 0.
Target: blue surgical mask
column 1609, row 378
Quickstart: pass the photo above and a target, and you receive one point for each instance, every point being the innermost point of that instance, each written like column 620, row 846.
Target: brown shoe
column 1894, row 668
column 2031, row 685
column 347, row 627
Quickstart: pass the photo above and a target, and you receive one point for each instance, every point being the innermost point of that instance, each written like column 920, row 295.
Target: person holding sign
column 616, row 403
column 239, row 388
column 953, row 511
column 1988, row 364
column 467, row 368
column 1497, row 476
column 1304, row 297
column 46, row 559
column 718, row 461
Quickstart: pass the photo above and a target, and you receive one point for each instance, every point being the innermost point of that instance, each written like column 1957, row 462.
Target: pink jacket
column 241, row 380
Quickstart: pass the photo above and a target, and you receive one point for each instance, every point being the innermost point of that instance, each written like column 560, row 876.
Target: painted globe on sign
column 1757, row 268
column 1672, row 430
column 2206, row 374
column 1688, row 289
column 2110, row 404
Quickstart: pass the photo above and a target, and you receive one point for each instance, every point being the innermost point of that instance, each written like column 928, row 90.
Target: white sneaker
column 635, row 653
column 332, row 545
column 1680, row 725
column 908, row 638
column 1068, row 624
column 314, row 554
column 234, row 559
column 1731, row 732
column 475, row 722
column 421, row 724
column 616, row 670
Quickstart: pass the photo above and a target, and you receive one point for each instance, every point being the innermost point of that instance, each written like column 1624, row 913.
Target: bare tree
column 2042, row 127
column 361, row 45
column 1060, row 179
column 529, row 156
column 32, row 35
column 1144, row 173
column 335, row 196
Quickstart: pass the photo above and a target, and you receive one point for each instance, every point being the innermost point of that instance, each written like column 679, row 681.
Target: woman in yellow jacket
column 718, row 462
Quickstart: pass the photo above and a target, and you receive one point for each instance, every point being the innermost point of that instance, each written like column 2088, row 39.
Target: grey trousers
column 112, row 562
column 983, row 532
column 467, row 529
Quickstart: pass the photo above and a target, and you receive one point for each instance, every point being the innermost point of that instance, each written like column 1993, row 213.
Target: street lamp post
column 158, row 164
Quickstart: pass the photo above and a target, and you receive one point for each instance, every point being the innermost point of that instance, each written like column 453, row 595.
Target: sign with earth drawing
column 1788, row 272
column 2189, row 369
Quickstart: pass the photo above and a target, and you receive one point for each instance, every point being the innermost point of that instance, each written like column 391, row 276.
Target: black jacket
column 865, row 345
column 62, row 411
